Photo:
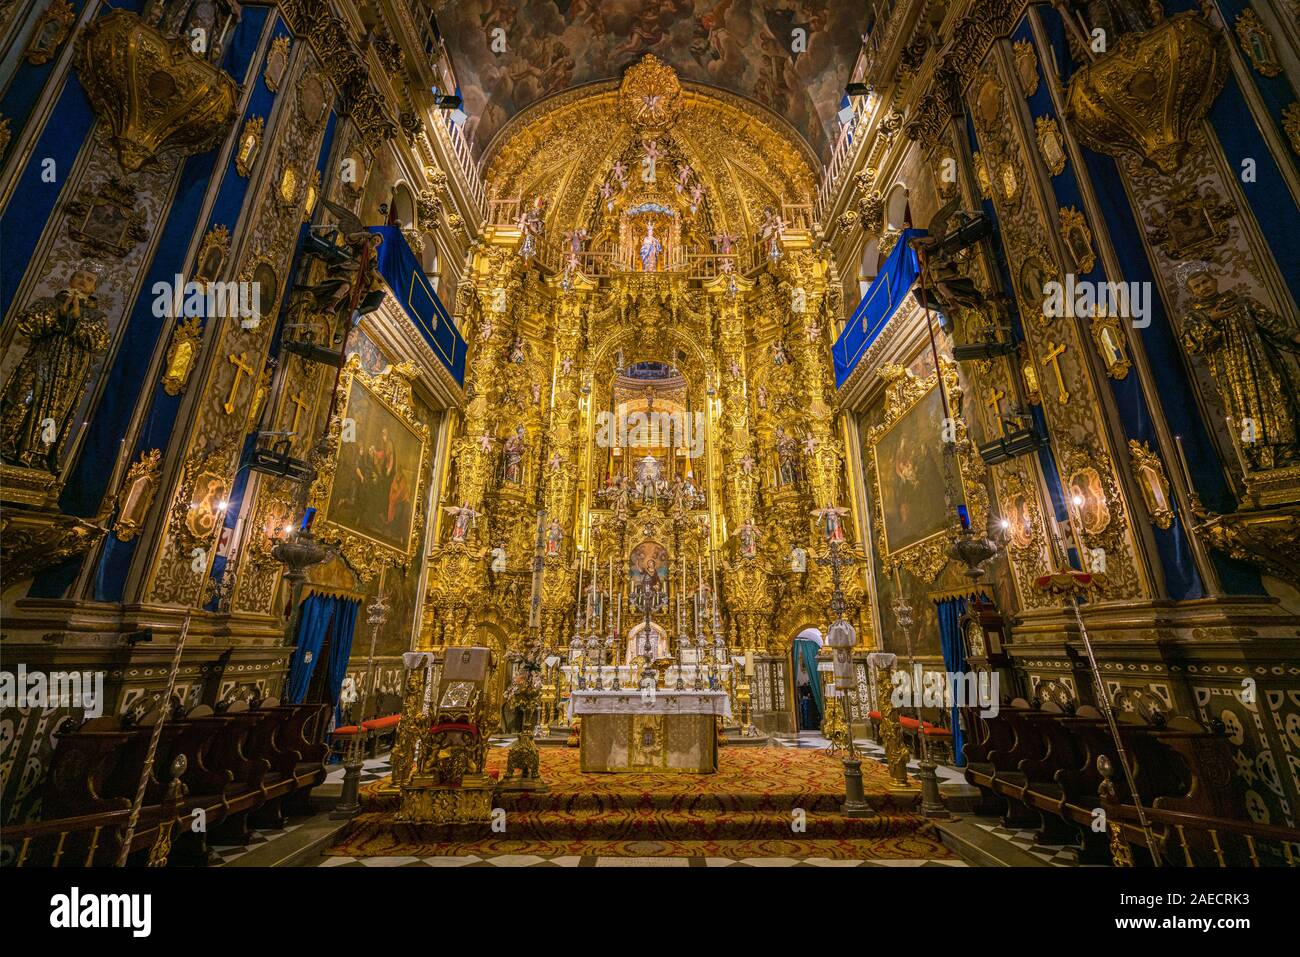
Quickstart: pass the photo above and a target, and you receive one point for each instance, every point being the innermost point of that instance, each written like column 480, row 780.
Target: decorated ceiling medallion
column 1078, row 239
column 1026, row 67
column 277, row 61
column 1051, row 145
column 154, row 93
column 250, row 144
column 52, row 28
column 1149, row 94
column 650, row 97
column 1257, row 44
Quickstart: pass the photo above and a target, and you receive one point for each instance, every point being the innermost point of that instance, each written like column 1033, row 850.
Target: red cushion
column 934, row 731
column 911, row 724
column 873, row 715
column 379, row 724
column 455, row 726
column 494, row 775
column 346, row 729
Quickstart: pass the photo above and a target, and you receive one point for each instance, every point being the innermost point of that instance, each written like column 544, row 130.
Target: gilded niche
column 1150, row 92
column 153, row 92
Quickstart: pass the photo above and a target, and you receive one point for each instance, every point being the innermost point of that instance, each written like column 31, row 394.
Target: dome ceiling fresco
column 509, row 54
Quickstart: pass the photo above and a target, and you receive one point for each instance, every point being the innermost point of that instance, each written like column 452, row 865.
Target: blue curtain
column 806, row 651
column 345, row 620
column 954, row 660
column 313, row 626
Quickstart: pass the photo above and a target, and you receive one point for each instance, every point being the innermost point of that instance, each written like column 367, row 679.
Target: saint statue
column 831, row 519
column 1253, row 356
column 513, row 457
column 650, row 250
column 463, row 520
column 787, row 451
column 66, row 333
column 748, row 535
column 648, row 474
column 798, row 559
column 554, row 537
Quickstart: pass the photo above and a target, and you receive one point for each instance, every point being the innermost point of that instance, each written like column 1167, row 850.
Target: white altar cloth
column 663, row 701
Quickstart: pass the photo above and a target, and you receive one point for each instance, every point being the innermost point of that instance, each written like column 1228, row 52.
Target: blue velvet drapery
column 323, row 617
column 806, row 651
column 954, row 660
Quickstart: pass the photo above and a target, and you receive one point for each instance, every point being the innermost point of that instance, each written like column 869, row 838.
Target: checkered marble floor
column 528, row 860
column 1057, row 856
column 236, row 851
column 372, row 769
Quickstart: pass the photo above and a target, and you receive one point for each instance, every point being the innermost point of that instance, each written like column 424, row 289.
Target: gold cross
column 1054, row 352
column 240, row 362
column 996, row 396
column 299, row 406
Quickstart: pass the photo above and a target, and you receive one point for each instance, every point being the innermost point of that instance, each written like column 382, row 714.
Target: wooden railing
column 1194, row 840
column 852, row 136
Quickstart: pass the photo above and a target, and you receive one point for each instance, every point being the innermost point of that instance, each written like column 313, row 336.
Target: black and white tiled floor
column 372, row 769
column 1055, row 855
column 234, row 852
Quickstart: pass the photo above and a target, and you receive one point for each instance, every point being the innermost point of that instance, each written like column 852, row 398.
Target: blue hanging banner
column 881, row 301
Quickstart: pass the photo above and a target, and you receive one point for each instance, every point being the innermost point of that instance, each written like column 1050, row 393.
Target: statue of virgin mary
column 651, row 249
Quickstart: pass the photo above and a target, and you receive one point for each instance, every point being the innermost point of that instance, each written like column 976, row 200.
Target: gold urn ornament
column 1149, row 93
column 154, row 93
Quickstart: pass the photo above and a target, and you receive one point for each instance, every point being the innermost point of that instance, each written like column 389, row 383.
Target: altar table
column 667, row 732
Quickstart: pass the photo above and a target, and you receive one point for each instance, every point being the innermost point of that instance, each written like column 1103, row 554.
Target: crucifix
column 1054, row 353
column 299, row 406
column 994, row 403
column 240, row 362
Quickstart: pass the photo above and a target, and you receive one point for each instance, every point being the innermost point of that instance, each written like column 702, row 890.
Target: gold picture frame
column 920, row 543
column 249, row 145
column 1108, row 337
column 51, row 30
column 1026, row 66
column 1149, row 473
column 1051, row 144
column 136, row 495
column 1257, row 44
column 277, row 62
column 213, row 252
column 1078, row 239
column 363, row 463
column 182, row 354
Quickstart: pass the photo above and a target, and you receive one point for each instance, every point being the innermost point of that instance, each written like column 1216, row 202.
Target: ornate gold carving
column 1078, row 239
column 1268, row 539
column 1149, row 473
column 107, row 219
column 1053, row 358
column 136, row 495
column 650, row 96
column 1192, row 223
column 1291, row 125
column 982, row 175
column 154, row 94
column 1108, row 337
column 199, row 506
column 250, row 144
column 1257, row 43
column 313, row 194
column 286, row 187
column 1051, row 144
column 51, row 29
column 1026, row 66
column 277, row 61
column 212, row 254
column 1152, row 90
column 5, row 135
column 33, row 541
column 182, row 353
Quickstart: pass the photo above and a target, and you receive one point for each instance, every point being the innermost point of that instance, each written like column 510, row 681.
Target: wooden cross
column 300, row 406
column 996, row 396
column 1054, row 352
column 240, row 362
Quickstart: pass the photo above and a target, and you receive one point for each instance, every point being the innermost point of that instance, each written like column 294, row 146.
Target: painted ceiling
column 746, row 46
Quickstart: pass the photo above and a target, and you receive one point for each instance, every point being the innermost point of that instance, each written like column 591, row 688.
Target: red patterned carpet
column 745, row 810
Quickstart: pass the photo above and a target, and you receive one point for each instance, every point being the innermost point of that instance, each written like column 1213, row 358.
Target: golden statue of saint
column 66, row 332
column 1252, row 355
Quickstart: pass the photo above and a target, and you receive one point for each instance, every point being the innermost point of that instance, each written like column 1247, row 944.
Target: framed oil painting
column 911, row 521
column 372, row 501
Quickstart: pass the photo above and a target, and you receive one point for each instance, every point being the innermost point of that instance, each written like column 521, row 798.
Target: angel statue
column 830, row 519
column 346, row 283
column 462, row 521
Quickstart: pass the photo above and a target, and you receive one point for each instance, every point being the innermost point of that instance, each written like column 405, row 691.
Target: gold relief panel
column 1026, row 66
column 1008, row 181
column 982, row 175
column 1097, row 517
column 1192, row 223
column 1078, row 240
column 369, row 489
column 1051, row 144
column 1108, row 337
column 1087, row 499
column 313, row 194
column 286, row 187
column 277, row 61
column 182, row 353
column 1035, row 275
column 1149, row 472
column 1029, row 375
column 1257, row 44
column 107, row 219
column 250, row 144
column 136, row 495
column 212, row 254
column 201, row 502
column 51, row 29
column 261, row 273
